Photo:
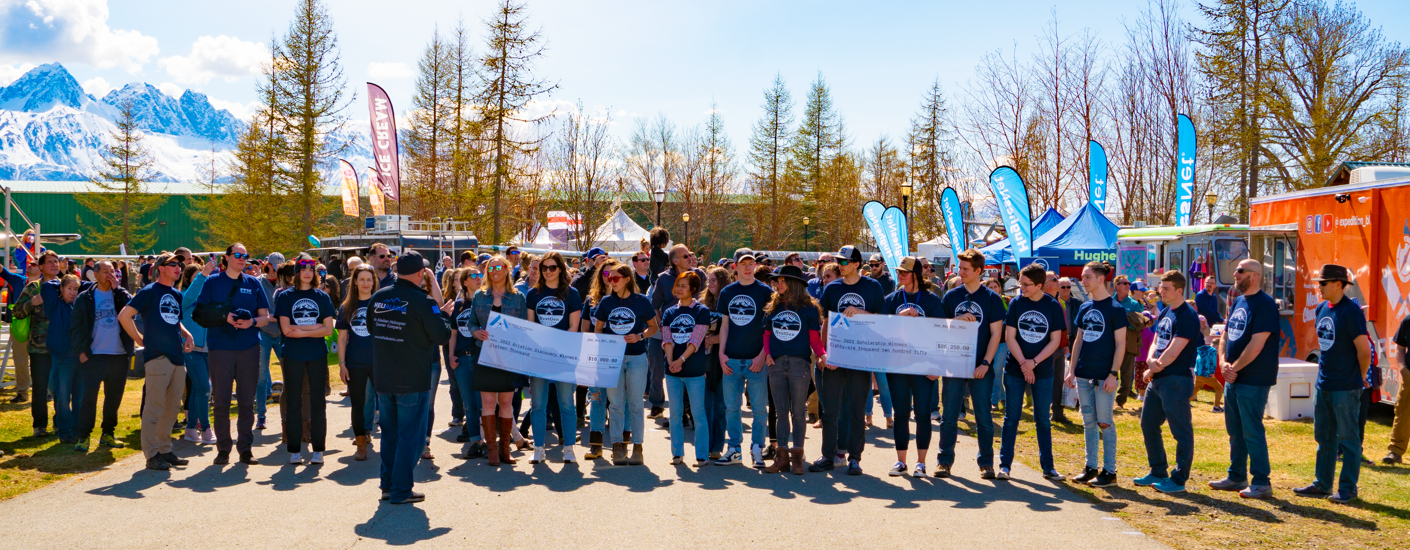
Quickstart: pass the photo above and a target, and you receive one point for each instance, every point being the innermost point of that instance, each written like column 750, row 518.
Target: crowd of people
column 703, row 343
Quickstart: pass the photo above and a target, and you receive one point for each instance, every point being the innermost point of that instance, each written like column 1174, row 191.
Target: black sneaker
column 174, row 460
column 1103, row 479
column 1088, row 474
column 248, row 458
column 464, row 437
column 1311, row 491
column 656, row 412
column 478, row 449
column 414, row 497
column 823, row 464
column 156, row 463
column 20, row 397
column 853, row 468
column 222, row 457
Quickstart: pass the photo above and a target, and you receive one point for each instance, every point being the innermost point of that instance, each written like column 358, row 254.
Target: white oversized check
column 903, row 345
column 531, row 349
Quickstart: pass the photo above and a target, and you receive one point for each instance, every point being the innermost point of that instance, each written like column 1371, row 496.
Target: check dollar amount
column 903, row 345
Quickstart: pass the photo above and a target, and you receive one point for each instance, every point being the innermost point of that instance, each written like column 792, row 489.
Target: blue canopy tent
column 1084, row 236
column 1000, row 252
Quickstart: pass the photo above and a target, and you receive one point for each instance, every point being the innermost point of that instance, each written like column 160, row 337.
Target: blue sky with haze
column 637, row 57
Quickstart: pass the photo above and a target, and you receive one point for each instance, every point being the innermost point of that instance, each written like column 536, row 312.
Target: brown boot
column 489, row 434
column 636, row 458
column 781, row 463
column 619, row 454
column 506, row 426
column 361, row 443
column 796, row 459
column 595, row 446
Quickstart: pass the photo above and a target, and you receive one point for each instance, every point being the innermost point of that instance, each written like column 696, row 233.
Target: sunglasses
column 240, row 255
column 874, row 264
column 388, row 255
column 1241, row 271
column 514, row 253
column 1123, row 284
column 612, row 279
column 844, row 262
column 172, row 264
column 1068, row 287
column 494, row 268
column 549, row 267
column 476, row 276
column 308, row 262
column 639, row 260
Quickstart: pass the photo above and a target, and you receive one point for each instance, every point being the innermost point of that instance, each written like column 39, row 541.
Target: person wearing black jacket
column 407, row 326
column 104, row 351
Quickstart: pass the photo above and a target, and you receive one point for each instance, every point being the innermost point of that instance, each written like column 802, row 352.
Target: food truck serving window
column 1227, row 255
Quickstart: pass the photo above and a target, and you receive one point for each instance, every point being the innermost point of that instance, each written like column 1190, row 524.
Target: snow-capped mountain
column 50, row 129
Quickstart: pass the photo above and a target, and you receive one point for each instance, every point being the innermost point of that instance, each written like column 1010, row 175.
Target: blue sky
column 638, row 58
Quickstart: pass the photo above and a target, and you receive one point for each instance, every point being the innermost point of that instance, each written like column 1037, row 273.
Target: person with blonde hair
column 496, row 386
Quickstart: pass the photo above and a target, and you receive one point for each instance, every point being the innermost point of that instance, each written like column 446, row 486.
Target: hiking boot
column 655, row 413
column 636, row 458
column 361, row 443
column 854, row 468
column 107, row 440
column 594, row 446
column 619, row 454
column 1104, row 479
column 942, row 470
column 1257, row 491
column 174, row 460
column 156, row 463
column 1088, row 474
column 20, row 397
column 1227, row 484
column 248, row 458
column 1391, row 458
column 795, row 459
column 823, row 464
column 987, row 472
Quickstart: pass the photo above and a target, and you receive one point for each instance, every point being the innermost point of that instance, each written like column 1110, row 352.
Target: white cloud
column 216, row 56
column 11, row 73
column 97, row 87
column 396, row 69
column 242, row 111
column 171, row 90
column 70, row 31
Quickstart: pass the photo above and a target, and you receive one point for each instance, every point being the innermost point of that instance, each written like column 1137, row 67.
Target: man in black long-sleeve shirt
column 1207, row 302
column 406, row 327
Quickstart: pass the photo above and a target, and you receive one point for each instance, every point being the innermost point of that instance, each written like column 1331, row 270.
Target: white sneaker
column 568, row 455
column 538, row 456
column 317, row 458
column 192, row 435
column 296, row 458
column 757, row 453
column 919, row 470
column 208, row 436
column 898, row 469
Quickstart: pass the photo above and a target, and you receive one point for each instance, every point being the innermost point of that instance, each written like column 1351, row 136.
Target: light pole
column 807, row 243
column 906, row 199
column 686, row 218
column 1209, row 199
column 660, row 196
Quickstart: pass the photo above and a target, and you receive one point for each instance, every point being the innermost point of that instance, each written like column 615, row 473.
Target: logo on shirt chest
column 1093, row 325
column 304, row 312
column 1163, row 333
column 1238, row 321
column 1032, row 327
column 972, row 309
column 462, row 322
column 621, row 320
column 851, row 299
column 742, row 310
column 681, row 328
column 1326, row 332
column 170, row 309
column 550, row 310
column 359, row 322
column 787, row 325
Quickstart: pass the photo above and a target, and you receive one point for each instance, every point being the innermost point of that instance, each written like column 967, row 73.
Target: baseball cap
column 850, row 253
column 595, row 252
column 910, row 264
column 740, row 253
column 275, row 258
column 410, row 263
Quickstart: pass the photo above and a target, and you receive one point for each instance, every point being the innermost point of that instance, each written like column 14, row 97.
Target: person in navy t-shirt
column 234, row 350
column 1341, row 377
column 166, row 341
column 1033, row 329
column 741, row 356
column 355, row 352
column 555, row 303
column 843, row 392
column 1099, row 345
column 627, row 313
column 305, row 319
column 912, row 392
column 972, row 301
column 1171, row 377
column 1249, row 359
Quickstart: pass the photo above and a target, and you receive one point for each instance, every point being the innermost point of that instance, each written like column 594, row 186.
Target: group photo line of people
column 704, row 343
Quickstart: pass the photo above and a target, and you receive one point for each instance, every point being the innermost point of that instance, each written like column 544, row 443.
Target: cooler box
column 1291, row 397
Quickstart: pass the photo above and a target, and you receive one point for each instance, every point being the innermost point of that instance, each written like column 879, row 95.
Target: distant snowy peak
column 190, row 116
column 43, row 88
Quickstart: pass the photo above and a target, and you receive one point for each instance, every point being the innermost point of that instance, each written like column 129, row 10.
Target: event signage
column 374, row 193
column 903, row 345
column 349, row 188
column 1184, row 170
column 1131, row 262
column 1096, row 175
column 524, row 347
column 954, row 224
column 873, row 212
column 897, row 235
column 384, row 141
column 1012, row 197
column 1048, row 263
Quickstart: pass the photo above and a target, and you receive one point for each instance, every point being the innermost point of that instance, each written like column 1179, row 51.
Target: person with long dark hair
column 355, row 351
column 792, row 336
column 684, row 326
column 305, row 317
column 627, row 313
column 464, row 352
column 912, row 392
column 553, row 302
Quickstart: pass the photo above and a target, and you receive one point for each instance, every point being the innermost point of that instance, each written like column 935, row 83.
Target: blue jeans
column 1014, row 386
column 1000, row 357
column 715, row 418
column 979, row 391
column 463, row 375
column 457, row 398
column 883, row 390
column 656, row 359
column 627, row 395
column 369, row 409
column 911, row 392
column 677, row 390
column 597, row 409
column 403, row 424
column 1335, row 427
column 567, row 408
column 1097, row 407
column 435, row 388
column 198, row 412
column 1248, row 444
column 267, row 344
column 733, row 386
column 63, row 383
column 1168, row 401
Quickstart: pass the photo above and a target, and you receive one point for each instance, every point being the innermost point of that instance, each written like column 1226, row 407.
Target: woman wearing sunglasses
column 464, row 349
column 552, row 302
column 305, row 316
column 497, row 387
column 626, row 312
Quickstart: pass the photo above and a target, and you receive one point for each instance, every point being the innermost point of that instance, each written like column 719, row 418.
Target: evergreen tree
column 768, row 158
column 122, row 208
column 427, row 144
column 930, row 139
column 819, row 140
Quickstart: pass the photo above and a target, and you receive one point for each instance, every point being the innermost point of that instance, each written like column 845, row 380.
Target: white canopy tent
column 939, row 247
column 618, row 234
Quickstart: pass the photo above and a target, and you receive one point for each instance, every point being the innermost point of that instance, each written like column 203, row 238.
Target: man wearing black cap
column 1341, row 376
column 406, row 327
column 844, row 392
column 741, row 352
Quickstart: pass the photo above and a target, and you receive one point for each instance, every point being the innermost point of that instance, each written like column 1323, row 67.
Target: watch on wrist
column 984, row 363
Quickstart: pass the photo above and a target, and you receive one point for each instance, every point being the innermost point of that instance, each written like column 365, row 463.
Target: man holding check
column 843, row 392
column 976, row 303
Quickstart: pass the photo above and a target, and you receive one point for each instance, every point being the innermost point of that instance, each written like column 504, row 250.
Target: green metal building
column 52, row 205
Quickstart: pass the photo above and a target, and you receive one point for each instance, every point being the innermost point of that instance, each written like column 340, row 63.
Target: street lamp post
column 1209, row 199
column 660, row 196
column 807, row 244
column 686, row 218
column 906, row 199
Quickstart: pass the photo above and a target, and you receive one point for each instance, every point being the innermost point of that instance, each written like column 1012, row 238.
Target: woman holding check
column 628, row 313
column 553, row 302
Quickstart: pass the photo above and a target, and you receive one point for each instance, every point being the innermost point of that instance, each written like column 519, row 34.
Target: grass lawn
column 30, row 463
column 1205, row 518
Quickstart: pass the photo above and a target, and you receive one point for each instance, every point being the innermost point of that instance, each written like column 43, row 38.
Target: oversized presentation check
column 903, row 345
column 531, row 349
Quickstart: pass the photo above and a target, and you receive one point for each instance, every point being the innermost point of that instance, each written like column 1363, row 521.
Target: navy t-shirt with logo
column 866, row 294
column 1338, row 326
column 248, row 296
column 926, row 303
column 789, row 331
column 1099, row 320
column 1035, row 322
column 682, row 322
column 1178, row 322
column 359, row 348
column 304, row 308
column 984, row 304
column 460, row 316
column 552, row 311
column 160, row 308
column 626, row 316
column 1251, row 315
column 743, row 307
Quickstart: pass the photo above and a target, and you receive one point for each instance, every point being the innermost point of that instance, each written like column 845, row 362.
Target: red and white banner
column 559, row 220
column 374, row 193
column 349, row 188
column 384, row 140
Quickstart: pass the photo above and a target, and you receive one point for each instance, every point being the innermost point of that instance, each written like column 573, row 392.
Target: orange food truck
column 1364, row 226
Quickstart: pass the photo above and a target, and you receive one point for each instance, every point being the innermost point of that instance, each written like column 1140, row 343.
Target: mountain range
column 51, row 130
